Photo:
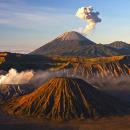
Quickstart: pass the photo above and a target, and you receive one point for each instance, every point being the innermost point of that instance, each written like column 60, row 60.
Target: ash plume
column 91, row 17
column 14, row 77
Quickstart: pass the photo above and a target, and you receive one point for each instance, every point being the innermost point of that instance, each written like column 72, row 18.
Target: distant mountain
column 122, row 47
column 119, row 45
column 64, row 98
column 74, row 44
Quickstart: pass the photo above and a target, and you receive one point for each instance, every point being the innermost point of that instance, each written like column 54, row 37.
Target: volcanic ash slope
column 63, row 99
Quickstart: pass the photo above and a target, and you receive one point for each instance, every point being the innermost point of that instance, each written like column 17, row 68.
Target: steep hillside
column 122, row 47
column 115, row 66
column 74, row 36
column 103, row 66
column 119, row 44
column 74, row 44
column 65, row 98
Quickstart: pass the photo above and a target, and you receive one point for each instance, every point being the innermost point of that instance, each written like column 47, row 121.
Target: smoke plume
column 13, row 77
column 41, row 77
column 87, row 14
column 118, row 86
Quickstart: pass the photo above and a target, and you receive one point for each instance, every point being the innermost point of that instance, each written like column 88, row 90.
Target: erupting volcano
column 69, row 43
column 74, row 44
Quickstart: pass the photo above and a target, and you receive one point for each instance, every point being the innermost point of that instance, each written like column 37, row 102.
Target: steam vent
column 63, row 99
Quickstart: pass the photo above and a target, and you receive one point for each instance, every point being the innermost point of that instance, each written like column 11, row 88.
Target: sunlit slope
column 2, row 57
column 88, row 67
column 82, row 66
column 65, row 98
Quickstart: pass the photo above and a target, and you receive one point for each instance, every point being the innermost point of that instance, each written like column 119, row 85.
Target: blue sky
column 28, row 24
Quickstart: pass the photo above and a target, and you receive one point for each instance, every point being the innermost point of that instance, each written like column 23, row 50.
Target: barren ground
column 111, row 123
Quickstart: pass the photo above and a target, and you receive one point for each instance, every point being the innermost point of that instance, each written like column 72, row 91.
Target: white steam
column 87, row 14
column 41, row 77
column 13, row 77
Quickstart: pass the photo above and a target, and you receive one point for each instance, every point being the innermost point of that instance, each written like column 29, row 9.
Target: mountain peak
column 68, row 44
column 72, row 36
column 64, row 98
column 119, row 45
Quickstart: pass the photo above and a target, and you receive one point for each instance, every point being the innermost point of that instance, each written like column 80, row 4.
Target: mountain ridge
column 118, row 44
column 122, row 47
column 75, row 44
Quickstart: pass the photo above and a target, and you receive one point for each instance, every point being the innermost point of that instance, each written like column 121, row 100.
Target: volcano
column 69, row 43
column 64, row 98
column 74, row 36
column 74, row 44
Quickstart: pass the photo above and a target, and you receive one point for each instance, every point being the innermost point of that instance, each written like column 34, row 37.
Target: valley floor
column 111, row 123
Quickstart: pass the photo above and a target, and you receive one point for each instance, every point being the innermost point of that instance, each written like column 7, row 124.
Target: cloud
column 91, row 17
column 22, row 15
column 13, row 77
